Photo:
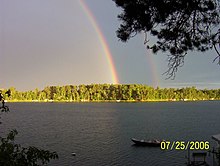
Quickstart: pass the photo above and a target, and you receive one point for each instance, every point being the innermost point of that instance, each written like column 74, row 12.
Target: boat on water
column 150, row 143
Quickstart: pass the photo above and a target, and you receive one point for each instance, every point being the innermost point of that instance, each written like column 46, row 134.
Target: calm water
column 99, row 133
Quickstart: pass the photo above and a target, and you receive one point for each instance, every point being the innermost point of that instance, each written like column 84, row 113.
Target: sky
column 72, row 42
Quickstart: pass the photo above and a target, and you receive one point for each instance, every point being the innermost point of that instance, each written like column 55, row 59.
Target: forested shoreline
column 111, row 93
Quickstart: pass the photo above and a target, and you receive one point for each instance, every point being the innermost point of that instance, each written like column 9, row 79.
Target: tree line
column 112, row 92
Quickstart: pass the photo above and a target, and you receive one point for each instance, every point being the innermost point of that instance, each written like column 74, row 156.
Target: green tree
column 68, row 95
column 179, row 26
column 82, row 91
column 42, row 96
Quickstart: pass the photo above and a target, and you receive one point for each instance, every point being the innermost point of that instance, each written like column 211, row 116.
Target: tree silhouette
column 179, row 26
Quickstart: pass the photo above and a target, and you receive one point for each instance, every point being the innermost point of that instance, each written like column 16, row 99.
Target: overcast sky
column 52, row 42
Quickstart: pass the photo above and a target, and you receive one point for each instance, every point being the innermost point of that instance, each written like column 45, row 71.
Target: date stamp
column 184, row 145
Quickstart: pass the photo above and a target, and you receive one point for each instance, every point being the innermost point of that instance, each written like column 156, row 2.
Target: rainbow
column 104, row 44
column 102, row 40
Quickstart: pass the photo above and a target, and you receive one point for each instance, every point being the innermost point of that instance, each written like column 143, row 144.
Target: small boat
column 150, row 143
column 73, row 154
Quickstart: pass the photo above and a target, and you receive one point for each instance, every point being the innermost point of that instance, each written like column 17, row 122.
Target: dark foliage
column 179, row 26
column 12, row 154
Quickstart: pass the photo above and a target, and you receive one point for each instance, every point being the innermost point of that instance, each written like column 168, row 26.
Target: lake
column 100, row 133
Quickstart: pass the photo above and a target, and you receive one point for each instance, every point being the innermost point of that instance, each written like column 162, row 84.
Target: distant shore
column 128, row 93
column 103, row 101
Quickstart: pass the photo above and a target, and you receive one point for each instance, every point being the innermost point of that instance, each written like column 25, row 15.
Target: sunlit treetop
column 179, row 26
